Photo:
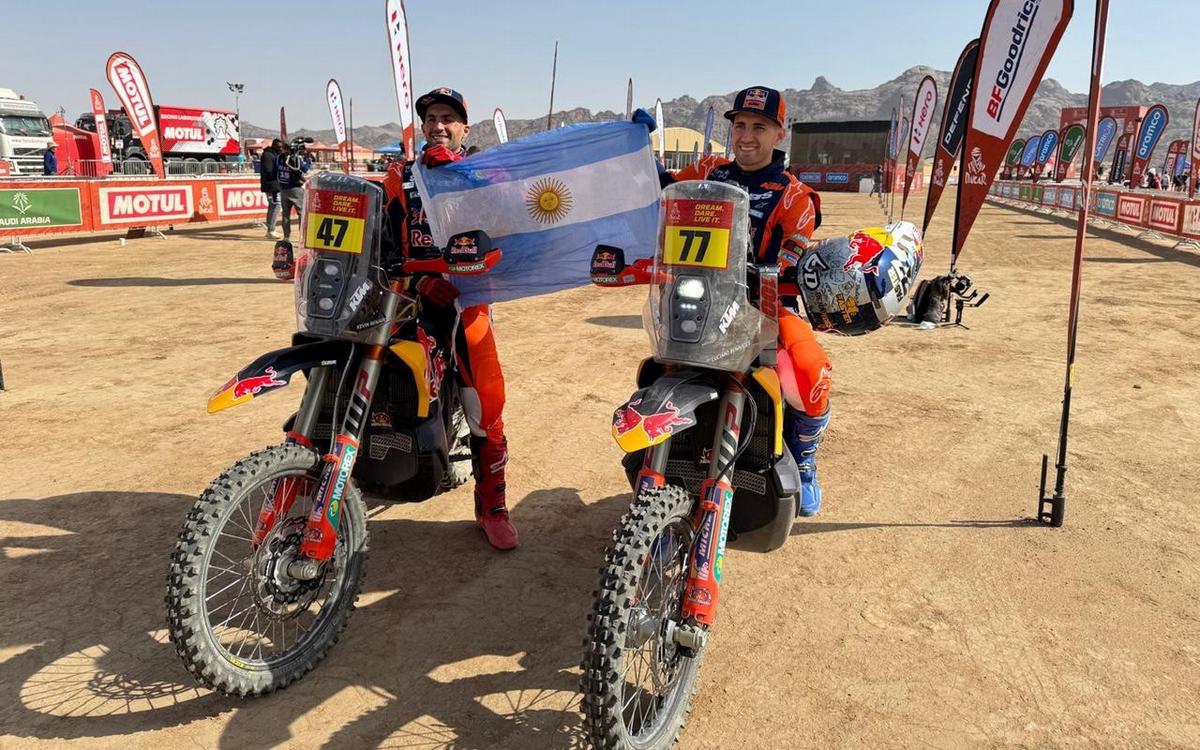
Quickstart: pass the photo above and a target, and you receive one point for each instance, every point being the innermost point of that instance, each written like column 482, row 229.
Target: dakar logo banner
column 1069, row 145
column 954, row 126
column 333, row 97
column 1018, row 39
column 397, row 26
column 924, row 107
column 1195, row 155
column 500, row 125
column 1152, row 129
column 127, row 79
column 662, row 130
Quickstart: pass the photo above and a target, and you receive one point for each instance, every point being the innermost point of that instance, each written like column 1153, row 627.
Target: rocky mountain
column 824, row 101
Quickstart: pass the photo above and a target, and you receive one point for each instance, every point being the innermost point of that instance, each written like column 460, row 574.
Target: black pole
column 1051, row 509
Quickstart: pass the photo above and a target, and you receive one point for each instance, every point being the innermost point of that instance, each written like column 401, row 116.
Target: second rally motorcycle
column 271, row 557
column 704, row 440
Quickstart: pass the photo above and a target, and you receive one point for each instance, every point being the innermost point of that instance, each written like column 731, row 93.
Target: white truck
column 24, row 133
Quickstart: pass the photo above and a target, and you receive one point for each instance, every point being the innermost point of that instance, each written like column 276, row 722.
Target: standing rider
column 443, row 114
column 784, row 212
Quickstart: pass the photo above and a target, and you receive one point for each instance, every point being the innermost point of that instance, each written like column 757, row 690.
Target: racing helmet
column 856, row 284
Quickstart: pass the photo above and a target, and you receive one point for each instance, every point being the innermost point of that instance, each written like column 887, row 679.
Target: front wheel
column 240, row 622
column 638, row 682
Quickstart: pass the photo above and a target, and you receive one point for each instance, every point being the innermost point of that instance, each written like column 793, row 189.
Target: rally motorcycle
column 271, row 557
column 703, row 434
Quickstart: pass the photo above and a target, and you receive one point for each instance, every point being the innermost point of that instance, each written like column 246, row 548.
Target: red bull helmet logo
column 864, row 253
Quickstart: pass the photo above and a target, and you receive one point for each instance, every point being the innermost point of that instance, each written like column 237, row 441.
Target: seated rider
column 443, row 114
column 784, row 212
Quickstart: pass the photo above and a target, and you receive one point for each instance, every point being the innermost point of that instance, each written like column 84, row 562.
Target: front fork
column 706, row 559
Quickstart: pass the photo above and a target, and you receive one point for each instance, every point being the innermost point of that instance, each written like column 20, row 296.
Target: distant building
column 835, row 156
column 681, row 143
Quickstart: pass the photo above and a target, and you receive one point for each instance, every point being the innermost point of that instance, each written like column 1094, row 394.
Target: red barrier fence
column 1167, row 213
column 46, row 207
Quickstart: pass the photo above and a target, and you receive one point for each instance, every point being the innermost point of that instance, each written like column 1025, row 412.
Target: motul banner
column 662, row 131
column 629, row 100
column 500, row 125
column 240, row 199
column 145, row 205
column 98, row 112
column 1029, row 155
column 126, row 77
column 708, row 128
column 1069, row 145
column 1018, row 39
column 954, row 126
column 1195, row 153
column 1105, row 131
column 397, row 25
column 282, row 124
column 333, row 97
column 1152, row 129
column 1046, row 147
column 924, row 107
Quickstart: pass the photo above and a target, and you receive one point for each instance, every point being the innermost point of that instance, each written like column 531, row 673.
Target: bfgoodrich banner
column 39, row 208
column 1019, row 38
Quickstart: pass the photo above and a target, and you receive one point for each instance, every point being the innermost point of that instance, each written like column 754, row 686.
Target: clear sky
column 499, row 53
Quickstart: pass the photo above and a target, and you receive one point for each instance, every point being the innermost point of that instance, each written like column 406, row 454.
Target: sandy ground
column 920, row 609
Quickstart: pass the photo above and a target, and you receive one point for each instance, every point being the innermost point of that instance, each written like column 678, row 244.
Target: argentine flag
column 546, row 201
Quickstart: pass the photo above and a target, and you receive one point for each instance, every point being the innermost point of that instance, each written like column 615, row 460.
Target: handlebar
column 474, row 267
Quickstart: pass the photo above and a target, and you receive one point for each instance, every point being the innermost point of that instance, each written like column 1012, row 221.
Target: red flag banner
column 924, row 107
column 954, row 126
column 1019, row 37
column 98, row 112
column 397, row 27
column 126, row 77
column 1154, row 124
column 282, row 124
column 1195, row 153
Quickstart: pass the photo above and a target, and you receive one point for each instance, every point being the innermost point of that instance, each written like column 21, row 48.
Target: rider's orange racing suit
column 784, row 212
column 478, row 363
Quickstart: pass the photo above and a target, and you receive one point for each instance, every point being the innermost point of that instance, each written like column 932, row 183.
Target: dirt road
column 920, row 609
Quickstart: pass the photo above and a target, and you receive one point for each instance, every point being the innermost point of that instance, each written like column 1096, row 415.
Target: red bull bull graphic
column 664, row 422
column 865, row 251
column 436, row 362
column 252, row 386
column 635, row 430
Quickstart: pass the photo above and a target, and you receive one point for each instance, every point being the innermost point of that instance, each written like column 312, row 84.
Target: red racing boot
column 489, row 457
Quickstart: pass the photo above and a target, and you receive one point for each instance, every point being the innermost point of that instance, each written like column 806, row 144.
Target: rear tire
column 626, row 616
column 281, row 601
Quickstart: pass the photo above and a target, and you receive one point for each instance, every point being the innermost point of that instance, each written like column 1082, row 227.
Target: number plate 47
column 341, row 233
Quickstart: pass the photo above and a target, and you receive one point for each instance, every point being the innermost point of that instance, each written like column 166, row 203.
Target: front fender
column 275, row 369
column 663, row 408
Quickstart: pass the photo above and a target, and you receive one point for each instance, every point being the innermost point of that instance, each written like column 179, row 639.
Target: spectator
column 1152, row 180
column 293, row 171
column 877, row 188
column 268, row 180
column 49, row 160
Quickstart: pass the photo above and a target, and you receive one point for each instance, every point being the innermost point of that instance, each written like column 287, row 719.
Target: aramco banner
column 1153, row 126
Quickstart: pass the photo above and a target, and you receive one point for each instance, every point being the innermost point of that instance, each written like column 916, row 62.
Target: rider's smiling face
column 443, row 126
column 754, row 139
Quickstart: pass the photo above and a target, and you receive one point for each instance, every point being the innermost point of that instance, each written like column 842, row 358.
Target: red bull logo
column 435, row 368
column 756, row 98
column 665, row 422
column 255, row 384
column 864, row 252
column 604, row 261
column 626, row 418
column 464, row 246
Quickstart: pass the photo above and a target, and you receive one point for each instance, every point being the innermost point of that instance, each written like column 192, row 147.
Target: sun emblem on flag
column 548, row 201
